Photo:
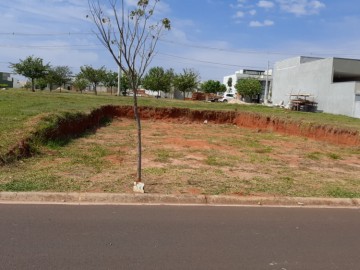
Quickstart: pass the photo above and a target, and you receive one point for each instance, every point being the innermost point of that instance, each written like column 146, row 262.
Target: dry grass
column 191, row 158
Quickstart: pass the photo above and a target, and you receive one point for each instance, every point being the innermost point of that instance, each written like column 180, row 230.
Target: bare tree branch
column 134, row 36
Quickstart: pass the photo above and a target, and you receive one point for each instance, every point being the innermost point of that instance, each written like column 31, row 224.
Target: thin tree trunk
column 32, row 85
column 138, row 125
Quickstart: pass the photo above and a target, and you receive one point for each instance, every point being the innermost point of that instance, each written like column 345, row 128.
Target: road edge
column 168, row 199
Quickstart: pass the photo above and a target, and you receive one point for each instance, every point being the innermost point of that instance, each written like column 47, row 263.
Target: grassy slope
column 20, row 110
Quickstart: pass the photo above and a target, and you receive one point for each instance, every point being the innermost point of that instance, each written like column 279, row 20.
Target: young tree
column 94, row 76
column 111, row 80
column 31, row 68
column 41, row 83
column 157, row 79
column 212, row 86
column 132, row 35
column 80, row 84
column 187, row 81
column 124, row 84
column 248, row 87
column 61, row 75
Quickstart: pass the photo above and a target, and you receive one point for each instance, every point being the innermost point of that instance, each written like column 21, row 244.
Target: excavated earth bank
column 244, row 119
column 75, row 126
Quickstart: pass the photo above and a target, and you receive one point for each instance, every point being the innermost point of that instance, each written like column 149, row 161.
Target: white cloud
column 261, row 24
column 239, row 4
column 252, row 12
column 301, row 7
column 265, row 4
column 239, row 14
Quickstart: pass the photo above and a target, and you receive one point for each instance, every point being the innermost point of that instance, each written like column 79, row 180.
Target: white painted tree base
column 138, row 187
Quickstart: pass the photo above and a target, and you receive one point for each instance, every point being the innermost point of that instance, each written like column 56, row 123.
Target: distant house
column 6, row 81
column 334, row 83
column 261, row 75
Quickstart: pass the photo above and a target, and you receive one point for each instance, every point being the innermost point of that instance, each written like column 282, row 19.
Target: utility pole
column 266, row 84
column 120, row 48
column 119, row 73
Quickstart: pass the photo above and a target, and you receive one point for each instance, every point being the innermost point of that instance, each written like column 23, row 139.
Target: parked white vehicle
column 227, row 97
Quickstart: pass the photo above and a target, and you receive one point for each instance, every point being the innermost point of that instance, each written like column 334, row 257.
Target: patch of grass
column 258, row 158
column 90, row 156
column 155, row 171
column 334, row 156
column 217, row 159
column 163, row 155
column 264, row 150
column 224, row 189
column 314, row 155
column 339, row 192
column 57, row 144
column 39, row 181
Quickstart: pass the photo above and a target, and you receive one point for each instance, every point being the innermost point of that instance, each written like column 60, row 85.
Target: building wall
column 357, row 106
column 6, row 81
column 341, row 99
column 314, row 76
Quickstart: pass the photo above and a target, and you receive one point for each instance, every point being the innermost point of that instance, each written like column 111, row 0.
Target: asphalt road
column 177, row 237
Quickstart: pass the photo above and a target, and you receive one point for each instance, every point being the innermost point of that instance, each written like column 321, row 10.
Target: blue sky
column 214, row 37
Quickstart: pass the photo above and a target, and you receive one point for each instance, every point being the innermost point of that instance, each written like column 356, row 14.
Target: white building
column 334, row 83
column 261, row 75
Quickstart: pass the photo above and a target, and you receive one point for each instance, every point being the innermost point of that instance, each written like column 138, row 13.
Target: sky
column 215, row 38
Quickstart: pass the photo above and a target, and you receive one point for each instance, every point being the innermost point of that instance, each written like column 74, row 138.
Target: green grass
column 86, row 164
column 339, row 192
column 20, row 110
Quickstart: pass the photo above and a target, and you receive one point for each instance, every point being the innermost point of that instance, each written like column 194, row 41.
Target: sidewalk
column 163, row 199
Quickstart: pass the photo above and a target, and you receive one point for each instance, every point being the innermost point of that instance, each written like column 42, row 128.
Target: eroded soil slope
column 186, row 157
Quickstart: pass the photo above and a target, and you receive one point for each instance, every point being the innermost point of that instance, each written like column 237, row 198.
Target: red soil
column 76, row 126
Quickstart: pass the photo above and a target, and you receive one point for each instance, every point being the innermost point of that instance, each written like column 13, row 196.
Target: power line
column 258, row 51
column 343, row 52
column 45, row 34
column 206, row 62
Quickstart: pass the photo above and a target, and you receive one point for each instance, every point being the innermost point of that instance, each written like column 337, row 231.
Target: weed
column 314, row 155
column 215, row 159
column 163, row 156
column 155, row 171
column 334, row 156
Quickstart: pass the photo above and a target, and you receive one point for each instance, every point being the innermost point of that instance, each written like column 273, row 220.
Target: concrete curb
column 163, row 199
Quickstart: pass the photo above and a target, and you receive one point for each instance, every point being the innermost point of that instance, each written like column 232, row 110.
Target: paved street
column 177, row 237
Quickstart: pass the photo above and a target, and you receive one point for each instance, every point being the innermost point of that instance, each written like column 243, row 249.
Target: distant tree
column 60, row 75
column 248, row 87
column 80, row 84
column 110, row 80
column 27, row 85
column 157, row 79
column 50, row 78
column 124, row 84
column 41, row 83
column 94, row 76
column 230, row 82
column 31, row 68
column 187, row 81
column 212, row 86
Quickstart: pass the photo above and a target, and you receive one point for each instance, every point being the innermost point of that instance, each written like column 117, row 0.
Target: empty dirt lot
column 192, row 158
